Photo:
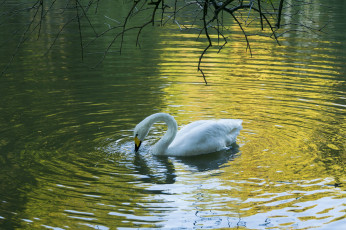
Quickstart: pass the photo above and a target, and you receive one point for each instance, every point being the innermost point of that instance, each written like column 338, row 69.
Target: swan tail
column 235, row 125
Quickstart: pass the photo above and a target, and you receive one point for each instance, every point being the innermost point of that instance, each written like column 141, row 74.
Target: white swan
column 199, row 137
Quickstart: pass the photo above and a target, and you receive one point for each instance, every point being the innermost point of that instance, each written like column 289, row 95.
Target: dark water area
column 67, row 156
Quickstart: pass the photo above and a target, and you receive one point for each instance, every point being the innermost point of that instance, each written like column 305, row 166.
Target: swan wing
column 188, row 128
column 205, row 137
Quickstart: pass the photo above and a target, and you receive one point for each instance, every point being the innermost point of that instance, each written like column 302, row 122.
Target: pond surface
column 67, row 156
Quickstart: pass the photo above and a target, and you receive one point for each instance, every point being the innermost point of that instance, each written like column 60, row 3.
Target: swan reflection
column 161, row 169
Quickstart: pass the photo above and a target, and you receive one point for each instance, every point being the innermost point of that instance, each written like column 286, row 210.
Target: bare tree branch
column 279, row 13
column 205, row 12
column 206, row 18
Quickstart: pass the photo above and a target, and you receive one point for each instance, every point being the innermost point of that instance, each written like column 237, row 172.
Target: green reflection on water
column 66, row 146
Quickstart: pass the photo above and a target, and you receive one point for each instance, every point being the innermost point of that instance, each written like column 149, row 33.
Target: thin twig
column 79, row 29
column 205, row 12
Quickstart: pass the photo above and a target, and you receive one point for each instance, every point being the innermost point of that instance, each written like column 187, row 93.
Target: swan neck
column 161, row 146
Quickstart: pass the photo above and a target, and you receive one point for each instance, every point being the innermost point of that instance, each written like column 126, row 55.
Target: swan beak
column 137, row 144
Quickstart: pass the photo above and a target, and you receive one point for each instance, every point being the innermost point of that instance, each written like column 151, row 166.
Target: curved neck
column 161, row 146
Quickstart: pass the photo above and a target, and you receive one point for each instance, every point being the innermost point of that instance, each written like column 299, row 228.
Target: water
column 67, row 159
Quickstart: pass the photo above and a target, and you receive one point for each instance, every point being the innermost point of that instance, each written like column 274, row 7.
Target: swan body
column 199, row 137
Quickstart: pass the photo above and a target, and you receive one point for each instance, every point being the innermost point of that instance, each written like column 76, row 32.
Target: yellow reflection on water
column 290, row 151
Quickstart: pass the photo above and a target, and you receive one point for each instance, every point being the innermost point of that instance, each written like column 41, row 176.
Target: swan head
column 137, row 143
column 140, row 132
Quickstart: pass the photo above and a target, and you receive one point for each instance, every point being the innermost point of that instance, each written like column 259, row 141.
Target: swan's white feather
column 204, row 136
column 199, row 137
